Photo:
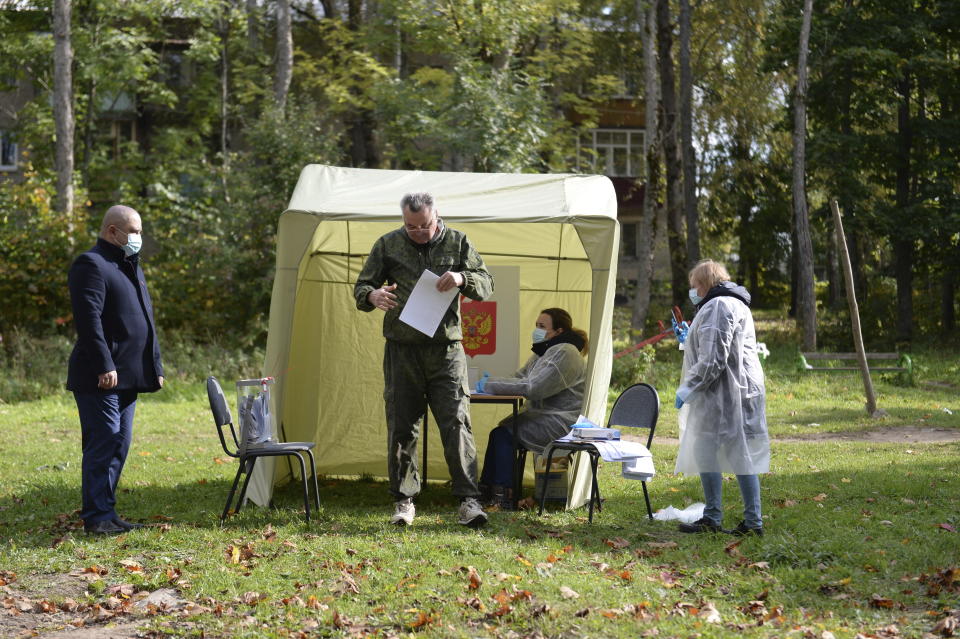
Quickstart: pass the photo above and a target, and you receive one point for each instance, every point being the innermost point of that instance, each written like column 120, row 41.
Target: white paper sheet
column 426, row 305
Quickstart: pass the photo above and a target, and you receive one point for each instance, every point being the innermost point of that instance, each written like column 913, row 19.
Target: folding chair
column 637, row 407
column 248, row 453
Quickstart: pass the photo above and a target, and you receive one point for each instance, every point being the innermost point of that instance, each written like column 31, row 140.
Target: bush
column 34, row 367
column 632, row 368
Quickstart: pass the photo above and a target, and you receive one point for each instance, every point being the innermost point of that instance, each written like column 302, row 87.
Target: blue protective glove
column 680, row 330
column 482, row 382
column 678, row 402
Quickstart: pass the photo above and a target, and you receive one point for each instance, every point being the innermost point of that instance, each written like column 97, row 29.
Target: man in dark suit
column 116, row 356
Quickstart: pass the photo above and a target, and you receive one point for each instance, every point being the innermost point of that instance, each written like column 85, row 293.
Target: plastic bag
column 255, row 419
column 688, row 515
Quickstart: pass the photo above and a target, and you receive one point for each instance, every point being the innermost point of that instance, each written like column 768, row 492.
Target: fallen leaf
column 131, row 565
column 820, row 497
column 876, row 601
column 617, row 542
column 424, row 619
column 472, row 602
column 947, row 626
column 668, row 579
column 475, row 580
column 662, row 544
column 568, row 593
column 947, row 527
column 709, row 613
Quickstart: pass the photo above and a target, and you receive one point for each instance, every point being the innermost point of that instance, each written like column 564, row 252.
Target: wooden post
column 872, row 409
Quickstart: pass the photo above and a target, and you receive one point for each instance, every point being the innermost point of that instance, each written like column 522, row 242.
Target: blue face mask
column 694, row 297
column 133, row 245
column 539, row 334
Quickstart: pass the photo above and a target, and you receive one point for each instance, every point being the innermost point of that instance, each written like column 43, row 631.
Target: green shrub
column 34, row 367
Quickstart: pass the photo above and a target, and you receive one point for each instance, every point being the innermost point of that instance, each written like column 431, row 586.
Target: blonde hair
column 709, row 273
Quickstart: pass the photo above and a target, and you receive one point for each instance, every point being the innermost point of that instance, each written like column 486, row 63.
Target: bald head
column 118, row 222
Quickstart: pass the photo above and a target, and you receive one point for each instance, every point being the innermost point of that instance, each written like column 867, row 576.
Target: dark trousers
column 498, row 460
column 415, row 376
column 106, row 423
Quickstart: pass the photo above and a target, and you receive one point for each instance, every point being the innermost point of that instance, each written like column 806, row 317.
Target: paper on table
column 426, row 305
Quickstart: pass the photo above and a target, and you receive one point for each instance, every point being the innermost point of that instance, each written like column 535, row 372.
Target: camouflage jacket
column 396, row 259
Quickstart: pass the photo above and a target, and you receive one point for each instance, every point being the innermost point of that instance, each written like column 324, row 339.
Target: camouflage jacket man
column 396, row 259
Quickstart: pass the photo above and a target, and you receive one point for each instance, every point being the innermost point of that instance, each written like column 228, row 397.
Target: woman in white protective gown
column 552, row 381
column 721, row 397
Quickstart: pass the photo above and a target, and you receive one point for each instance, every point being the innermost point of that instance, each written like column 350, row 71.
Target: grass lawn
column 861, row 536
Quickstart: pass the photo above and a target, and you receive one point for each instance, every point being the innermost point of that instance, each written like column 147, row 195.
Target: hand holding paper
column 427, row 304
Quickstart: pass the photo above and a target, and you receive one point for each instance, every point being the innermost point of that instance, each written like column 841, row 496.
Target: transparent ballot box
column 254, row 412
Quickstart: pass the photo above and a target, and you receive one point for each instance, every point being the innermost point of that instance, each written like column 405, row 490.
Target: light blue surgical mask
column 694, row 297
column 539, row 334
column 133, row 245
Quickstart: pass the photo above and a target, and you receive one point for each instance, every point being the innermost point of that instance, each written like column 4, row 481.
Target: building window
column 612, row 152
column 8, row 152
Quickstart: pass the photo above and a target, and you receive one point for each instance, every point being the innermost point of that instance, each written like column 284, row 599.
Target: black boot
column 702, row 525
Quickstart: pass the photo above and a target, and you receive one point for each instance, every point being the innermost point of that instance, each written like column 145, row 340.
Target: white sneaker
column 471, row 513
column 403, row 512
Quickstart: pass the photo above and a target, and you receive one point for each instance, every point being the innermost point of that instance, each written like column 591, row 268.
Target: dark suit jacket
column 114, row 319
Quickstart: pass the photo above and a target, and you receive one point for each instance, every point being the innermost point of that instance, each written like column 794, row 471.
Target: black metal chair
column 248, row 453
column 637, row 407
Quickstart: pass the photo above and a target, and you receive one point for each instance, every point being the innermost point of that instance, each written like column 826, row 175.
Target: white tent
column 561, row 231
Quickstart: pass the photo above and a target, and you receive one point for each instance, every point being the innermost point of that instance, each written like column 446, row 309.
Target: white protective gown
column 553, row 386
column 723, row 424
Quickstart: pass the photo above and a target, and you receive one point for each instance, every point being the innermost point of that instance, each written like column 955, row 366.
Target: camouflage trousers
column 415, row 376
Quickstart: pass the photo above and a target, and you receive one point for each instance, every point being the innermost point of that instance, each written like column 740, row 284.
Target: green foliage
column 36, row 249
column 34, row 367
column 632, row 368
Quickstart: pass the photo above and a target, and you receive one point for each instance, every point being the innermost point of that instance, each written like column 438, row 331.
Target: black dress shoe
column 742, row 530
column 105, row 527
column 702, row 525
column 126, row 525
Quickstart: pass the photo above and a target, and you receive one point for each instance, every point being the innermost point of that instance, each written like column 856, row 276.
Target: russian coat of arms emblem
column 479, row 322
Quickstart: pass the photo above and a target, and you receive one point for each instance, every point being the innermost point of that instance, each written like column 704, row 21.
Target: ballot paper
column 426, row 305
column 614, row 449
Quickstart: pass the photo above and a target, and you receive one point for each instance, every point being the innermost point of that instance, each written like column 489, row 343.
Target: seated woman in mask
column 552, row 381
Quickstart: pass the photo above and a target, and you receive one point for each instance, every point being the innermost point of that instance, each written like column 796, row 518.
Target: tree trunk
column 948, row 318
column 253, row 27
column 224, row 28
column 363, row 150
column 63, row 108
column 903, row 245
column 646, row 230
column 668, row 136
column 284, row 68
column 854, row 246
column 691, row 213
column 834, row 281
column 806, row 298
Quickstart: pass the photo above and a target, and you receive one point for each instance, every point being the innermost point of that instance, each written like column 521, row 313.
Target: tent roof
column 374, row 194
